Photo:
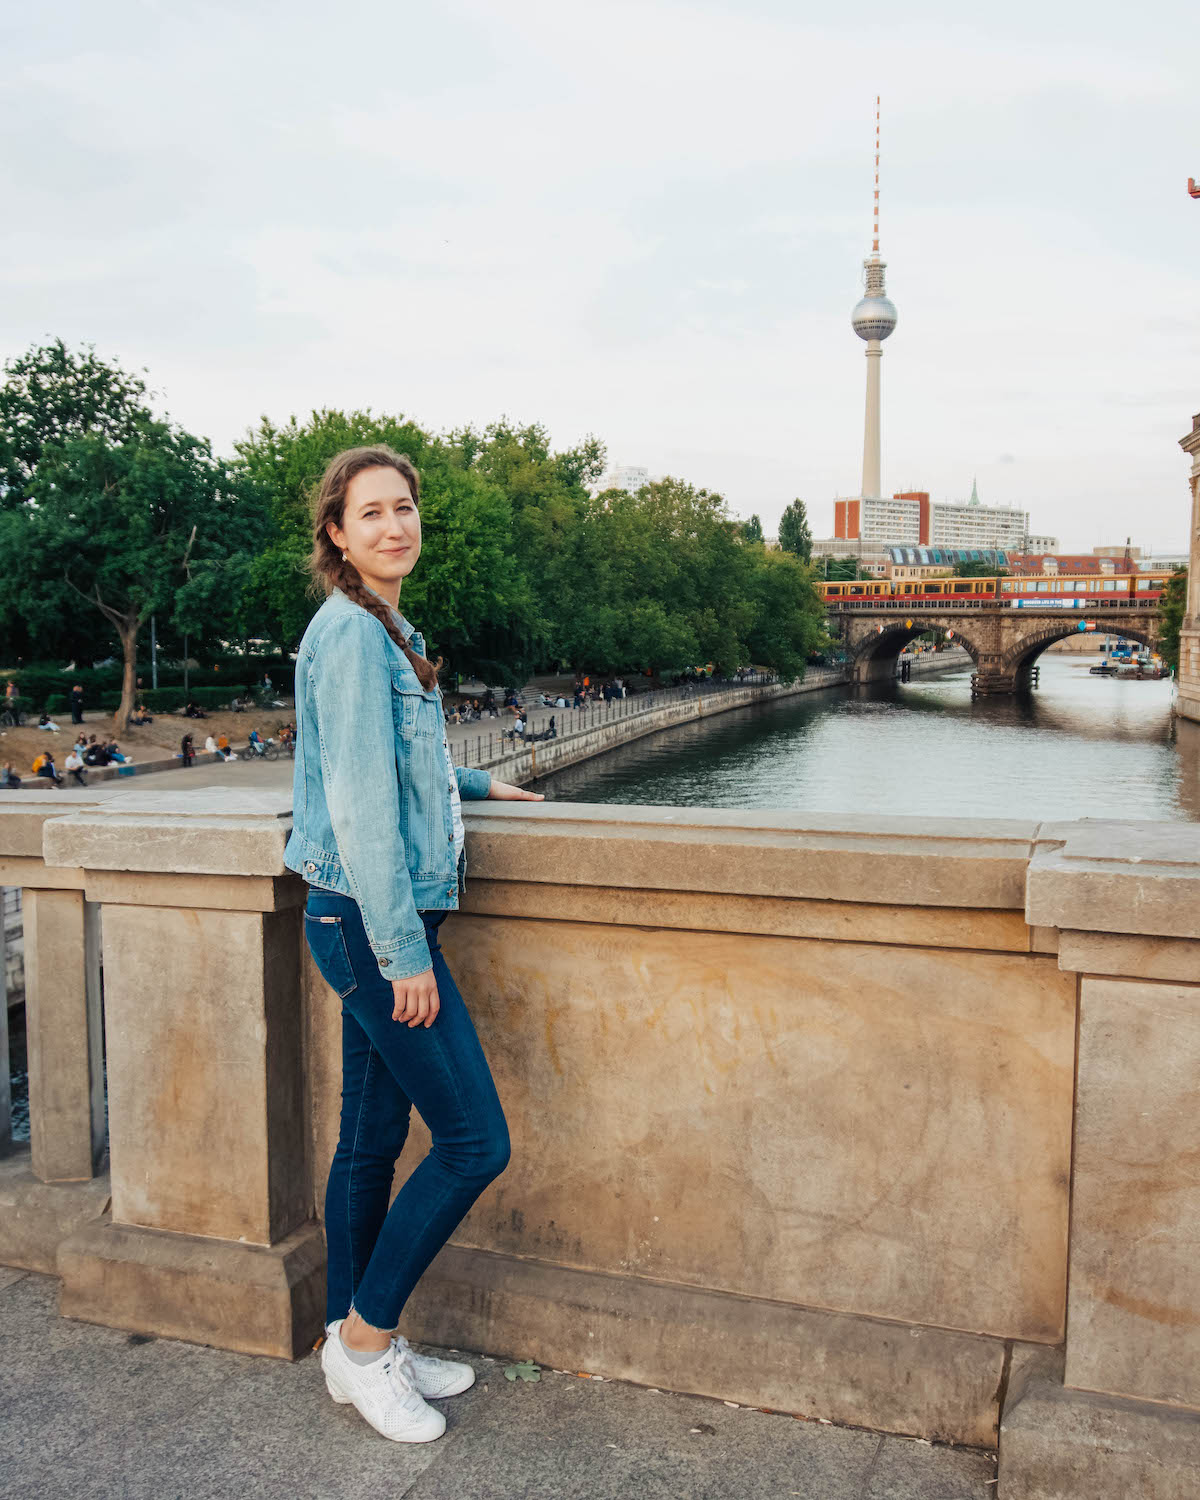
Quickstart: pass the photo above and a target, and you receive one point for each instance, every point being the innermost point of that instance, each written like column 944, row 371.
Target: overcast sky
column 641, row 220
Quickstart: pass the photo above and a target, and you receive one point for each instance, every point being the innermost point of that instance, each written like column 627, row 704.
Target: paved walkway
column 92, row 1412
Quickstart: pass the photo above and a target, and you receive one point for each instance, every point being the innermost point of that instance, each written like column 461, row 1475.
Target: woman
column 377, row 833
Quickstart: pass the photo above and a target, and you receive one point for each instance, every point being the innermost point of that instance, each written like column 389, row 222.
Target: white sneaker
column 434, row 1378
column 383, row 1392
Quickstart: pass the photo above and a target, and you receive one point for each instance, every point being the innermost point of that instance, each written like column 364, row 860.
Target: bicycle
column 11, row 718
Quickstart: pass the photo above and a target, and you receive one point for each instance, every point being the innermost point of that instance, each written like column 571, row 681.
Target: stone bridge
column 1003, row 642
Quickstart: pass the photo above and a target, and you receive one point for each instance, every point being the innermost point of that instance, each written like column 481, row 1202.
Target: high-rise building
column 873, row 319
column 626, row 477
column 910, row 519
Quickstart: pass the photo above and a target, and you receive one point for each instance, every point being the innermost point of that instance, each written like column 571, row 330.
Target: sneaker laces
column 396, row 1371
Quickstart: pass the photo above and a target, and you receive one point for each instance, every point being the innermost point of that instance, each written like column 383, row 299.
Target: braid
column 347, row 578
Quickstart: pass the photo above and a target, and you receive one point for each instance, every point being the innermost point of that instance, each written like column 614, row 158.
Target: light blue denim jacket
column 371, row 811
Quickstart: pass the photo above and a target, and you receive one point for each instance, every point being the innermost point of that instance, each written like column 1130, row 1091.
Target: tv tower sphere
column 875, row 316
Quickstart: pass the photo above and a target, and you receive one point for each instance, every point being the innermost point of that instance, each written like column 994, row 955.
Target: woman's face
column 381, row 528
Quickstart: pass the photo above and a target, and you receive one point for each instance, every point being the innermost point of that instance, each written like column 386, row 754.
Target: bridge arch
column 873, row 651
column 1018, row 659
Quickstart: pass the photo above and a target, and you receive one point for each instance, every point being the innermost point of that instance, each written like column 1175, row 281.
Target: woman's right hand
column 416, row 999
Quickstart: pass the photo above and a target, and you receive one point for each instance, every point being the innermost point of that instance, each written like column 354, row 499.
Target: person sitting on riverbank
column 44, row 767
column 141, row 716
column 9, row 780
column 115, row 753
column 224, row 749
column 46, row 722
column 194, row 711
column 75, row 768
column 95, row 754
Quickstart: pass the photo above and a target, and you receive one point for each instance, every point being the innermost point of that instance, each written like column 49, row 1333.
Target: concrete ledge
column 35, row 1217
column 893, row 1377
column 957, row 862
column 250, row 1298
column 1129, row 956
column 1113, row 876
column 1062, row 1444
column 208, row 831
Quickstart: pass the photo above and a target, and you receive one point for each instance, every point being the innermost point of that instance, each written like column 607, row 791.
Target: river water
column 1078, row 746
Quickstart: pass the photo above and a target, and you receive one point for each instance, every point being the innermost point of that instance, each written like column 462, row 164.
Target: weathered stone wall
column 819, row 1114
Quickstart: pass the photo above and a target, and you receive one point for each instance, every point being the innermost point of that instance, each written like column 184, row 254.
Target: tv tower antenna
column 873, row 320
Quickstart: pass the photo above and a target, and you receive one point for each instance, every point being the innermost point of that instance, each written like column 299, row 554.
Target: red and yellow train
column 1046, row 591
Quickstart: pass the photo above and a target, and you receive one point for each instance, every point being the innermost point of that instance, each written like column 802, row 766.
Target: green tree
column 1170, row 615
column 752, row 530
column 978, row 570
column 840, row 569
column 153, row 524
column 52, row 394
column 795, row 534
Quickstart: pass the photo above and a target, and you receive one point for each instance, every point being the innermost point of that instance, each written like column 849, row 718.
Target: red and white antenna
column 875, row 239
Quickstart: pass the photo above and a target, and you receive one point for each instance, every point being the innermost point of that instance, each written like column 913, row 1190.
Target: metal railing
column 485, row 748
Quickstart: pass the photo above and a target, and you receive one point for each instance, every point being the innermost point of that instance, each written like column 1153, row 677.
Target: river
column 1077, row 746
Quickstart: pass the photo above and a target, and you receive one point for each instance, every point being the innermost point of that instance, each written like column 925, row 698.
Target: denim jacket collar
column 406, row 629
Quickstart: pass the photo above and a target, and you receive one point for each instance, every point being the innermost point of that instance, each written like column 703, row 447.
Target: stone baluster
column 1118, row 1412
column 211, row 1236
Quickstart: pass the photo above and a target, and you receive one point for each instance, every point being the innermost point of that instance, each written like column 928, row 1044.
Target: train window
column 1041, row 586
column 962, row 588
column 1007, row 586
column 1109, row 585
column 854, row 589
column 1144, row 583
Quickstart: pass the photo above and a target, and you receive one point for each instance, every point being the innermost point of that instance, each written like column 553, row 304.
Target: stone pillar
column 211, row 1235
column 1187, row 704
column 1120, row 1415
column 62, row 1007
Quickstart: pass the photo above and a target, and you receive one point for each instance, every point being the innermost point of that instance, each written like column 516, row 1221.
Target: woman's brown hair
column 329, row 570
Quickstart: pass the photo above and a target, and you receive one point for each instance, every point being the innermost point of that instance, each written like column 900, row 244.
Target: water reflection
column 1080, row 746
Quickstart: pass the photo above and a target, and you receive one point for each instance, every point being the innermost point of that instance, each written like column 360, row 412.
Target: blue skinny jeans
column 377, row 1254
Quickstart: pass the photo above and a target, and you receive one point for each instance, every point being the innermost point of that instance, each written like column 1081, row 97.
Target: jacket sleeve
column 474, row 784
column 352, row 687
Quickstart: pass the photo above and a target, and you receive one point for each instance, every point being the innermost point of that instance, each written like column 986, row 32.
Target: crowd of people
column 87, row 751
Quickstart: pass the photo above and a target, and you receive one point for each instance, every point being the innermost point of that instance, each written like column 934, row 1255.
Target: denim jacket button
column 310, row 865
column 384, row 962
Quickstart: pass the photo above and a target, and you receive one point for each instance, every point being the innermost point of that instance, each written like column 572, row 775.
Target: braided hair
column 331, row 570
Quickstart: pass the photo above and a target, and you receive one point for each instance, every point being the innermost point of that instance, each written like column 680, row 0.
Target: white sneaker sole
column 342, row 1399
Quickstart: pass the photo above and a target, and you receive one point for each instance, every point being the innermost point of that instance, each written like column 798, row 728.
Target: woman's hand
column 416, row 999
column 501, row 791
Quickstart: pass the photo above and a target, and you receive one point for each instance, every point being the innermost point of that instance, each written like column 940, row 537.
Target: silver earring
column 345, row 558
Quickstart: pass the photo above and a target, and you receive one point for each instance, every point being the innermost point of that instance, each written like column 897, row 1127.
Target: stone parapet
column 820, row 1114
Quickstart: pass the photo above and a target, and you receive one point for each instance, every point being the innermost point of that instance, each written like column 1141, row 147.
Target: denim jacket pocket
column 327, row 944
column 416, row 708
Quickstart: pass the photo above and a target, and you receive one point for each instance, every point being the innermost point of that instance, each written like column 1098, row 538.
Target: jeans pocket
column 327, row 944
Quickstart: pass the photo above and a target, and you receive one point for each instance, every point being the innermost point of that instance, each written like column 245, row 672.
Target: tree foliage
column 52, row 394
column 1170, row 615
column 966, row 569
column 752, row 530
column 116, row 531
column 108, row 516
column 795, row 534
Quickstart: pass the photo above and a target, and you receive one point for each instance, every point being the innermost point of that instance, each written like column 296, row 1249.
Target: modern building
column 1039, row 544
column 627, row 477
column 911, row 519
column 938, row 562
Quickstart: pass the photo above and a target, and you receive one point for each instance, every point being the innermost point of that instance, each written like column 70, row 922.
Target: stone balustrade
column 885, row 1121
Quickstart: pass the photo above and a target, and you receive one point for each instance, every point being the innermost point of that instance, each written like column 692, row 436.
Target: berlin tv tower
column 873, row 319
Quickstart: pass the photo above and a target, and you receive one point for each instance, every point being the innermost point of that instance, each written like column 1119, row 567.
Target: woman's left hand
column 502, row 791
